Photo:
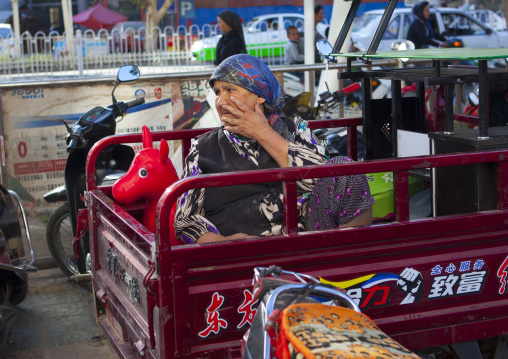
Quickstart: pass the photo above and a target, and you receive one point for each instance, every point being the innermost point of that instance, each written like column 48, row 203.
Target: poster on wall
column 189, row 103
column 35, row 146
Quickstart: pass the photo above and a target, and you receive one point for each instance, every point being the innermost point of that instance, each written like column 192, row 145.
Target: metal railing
column 100, row 53
column 93, row 54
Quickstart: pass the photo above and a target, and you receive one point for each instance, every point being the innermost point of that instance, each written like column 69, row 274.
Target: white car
column 453, row 22
column 489, row 17
column 6, row 40
column 265, row 36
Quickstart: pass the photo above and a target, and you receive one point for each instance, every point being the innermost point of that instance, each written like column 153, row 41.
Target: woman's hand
column 244, row 121
column 254, row 125
column 214, row 237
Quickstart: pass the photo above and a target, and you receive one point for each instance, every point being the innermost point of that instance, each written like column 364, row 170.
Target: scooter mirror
column 473, row 99
column 127, row 73
column 324, row 47
column 406, row 45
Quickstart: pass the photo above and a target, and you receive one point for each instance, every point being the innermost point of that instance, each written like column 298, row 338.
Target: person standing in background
column 319, row 15
column 292, row 54
column 232, row 41
column 420, row 31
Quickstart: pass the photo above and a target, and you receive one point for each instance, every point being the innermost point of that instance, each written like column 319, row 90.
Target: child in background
column 292, row 53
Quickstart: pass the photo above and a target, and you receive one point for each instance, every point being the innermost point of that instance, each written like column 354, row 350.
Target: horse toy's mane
column 150, row 173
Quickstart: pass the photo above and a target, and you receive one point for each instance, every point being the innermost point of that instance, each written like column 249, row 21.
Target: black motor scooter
column 14, row 265
column 96, row 124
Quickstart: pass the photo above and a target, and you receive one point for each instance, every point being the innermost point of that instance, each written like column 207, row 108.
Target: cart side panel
column 121, row 265
column 454, row 282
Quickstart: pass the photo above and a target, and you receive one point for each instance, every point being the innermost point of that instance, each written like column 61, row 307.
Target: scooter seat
column 314, row 330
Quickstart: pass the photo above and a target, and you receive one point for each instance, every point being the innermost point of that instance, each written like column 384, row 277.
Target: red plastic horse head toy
column 150, row 173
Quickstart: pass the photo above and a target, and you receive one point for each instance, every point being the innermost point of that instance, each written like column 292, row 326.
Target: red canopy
column 98, row 17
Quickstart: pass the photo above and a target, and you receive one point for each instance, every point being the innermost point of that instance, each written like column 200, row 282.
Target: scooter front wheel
column 59, row 237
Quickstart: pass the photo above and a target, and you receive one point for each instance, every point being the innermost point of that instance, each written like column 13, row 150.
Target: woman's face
column 426, row 12
column 224, row 91
column 223, row 27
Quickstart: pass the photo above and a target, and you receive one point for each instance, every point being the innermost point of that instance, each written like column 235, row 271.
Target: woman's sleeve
column 190, row 221
column 421, row 33
column 305, row 151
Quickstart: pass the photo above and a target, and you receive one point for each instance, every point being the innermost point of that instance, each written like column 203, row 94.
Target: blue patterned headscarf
column 252, row 74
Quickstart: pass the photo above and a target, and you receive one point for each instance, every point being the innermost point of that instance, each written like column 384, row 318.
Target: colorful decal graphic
column 452, row 284
column 28, row 93
column 373, row 290
column 246, row 308
column 158, row 93
column 215, row 322
column 411, row 283
column 140, row 93
column 411, row 286
column 501, row 273
column 449, row 280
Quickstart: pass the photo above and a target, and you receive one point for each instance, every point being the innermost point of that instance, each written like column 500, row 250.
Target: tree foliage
column 153, row 16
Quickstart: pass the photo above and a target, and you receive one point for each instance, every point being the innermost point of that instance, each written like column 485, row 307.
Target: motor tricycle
column 194, row 301
column 15, row 266
column 435, row 284
column 71, row 256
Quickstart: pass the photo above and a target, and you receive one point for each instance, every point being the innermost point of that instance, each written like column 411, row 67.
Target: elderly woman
column 256, row 135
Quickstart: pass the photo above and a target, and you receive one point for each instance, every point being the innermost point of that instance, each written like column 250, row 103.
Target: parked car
column 448, row 21
column 6, row 40
column 265, row 36
column 490, row 18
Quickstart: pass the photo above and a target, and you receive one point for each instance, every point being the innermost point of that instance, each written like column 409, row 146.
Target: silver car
column 451, row 22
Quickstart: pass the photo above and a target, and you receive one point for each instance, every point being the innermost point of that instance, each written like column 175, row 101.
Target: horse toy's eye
column 143, row 173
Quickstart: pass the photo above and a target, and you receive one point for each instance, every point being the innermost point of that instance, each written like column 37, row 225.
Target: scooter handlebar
column 136, row 102
column 72, row 145
column 351, row 88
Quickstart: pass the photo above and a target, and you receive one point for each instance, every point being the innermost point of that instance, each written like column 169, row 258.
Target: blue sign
column 186, row 8
column 171, row 7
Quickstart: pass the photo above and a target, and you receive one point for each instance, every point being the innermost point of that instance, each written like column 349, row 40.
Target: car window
column 408, row 19
column 484, row 16
column 271, row 23
column 460, row 25
column 292, row 20
column 4, row 33
column 392, row 30
column 366, row 23
column 251, row 22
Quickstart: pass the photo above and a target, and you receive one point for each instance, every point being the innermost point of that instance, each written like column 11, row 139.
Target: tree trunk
column 153, row 18
column 150, row 38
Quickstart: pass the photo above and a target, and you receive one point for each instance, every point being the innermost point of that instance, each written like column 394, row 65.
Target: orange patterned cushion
column 319, row 331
